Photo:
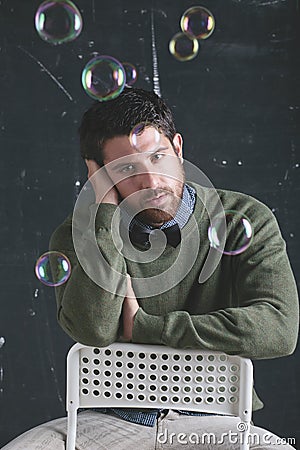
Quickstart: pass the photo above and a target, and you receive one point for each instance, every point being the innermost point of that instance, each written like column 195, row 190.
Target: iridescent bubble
column 58, row 21
column 152, row 136
column 131, row 73
column 235, row 227
column 183, row 47
column 103, row 78
column 198, row 22
column 53, row 268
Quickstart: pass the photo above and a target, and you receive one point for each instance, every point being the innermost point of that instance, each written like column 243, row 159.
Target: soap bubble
column 137, row 137
column 183, row 47
column 103, row 78
column 58, row 21
column 131, row 73
column 197, row 22
column 53, row 268
column 237, row 229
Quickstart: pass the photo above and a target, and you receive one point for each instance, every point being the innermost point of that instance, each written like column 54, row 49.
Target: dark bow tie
column 140, row 235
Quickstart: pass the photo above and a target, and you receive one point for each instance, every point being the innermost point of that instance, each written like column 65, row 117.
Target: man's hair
column 117, row 117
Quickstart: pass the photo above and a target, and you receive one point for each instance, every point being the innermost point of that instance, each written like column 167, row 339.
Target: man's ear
column 178, row 145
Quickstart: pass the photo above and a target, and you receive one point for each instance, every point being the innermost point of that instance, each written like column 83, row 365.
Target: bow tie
column 140, row 235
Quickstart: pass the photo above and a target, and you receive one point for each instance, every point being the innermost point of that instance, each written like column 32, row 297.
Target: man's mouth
column 157, row 199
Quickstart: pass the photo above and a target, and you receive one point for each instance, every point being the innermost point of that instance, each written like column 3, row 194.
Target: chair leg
column 244, row 445
column 71, row 430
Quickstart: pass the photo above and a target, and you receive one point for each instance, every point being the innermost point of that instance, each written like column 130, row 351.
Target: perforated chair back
column 154, row 376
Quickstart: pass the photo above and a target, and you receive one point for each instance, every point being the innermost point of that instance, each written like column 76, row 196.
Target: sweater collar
column 139, row 232
column 183, row 213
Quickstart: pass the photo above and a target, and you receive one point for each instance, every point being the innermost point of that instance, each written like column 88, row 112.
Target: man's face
column 149, row 176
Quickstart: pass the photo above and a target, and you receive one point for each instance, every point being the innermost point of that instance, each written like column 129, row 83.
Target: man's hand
column 104, row 189
column 130, row 307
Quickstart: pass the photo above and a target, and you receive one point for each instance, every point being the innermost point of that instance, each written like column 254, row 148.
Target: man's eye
column 158, row 156
column 128, row 168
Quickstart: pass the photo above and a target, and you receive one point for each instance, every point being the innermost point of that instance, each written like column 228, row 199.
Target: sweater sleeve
column 87, row 310
column 264, row 321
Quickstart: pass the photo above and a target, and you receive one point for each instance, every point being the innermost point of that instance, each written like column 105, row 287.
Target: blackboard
column 237, row 106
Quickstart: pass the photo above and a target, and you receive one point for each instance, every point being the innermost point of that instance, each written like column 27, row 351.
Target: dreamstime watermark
column 95, row 263
column 226, row 438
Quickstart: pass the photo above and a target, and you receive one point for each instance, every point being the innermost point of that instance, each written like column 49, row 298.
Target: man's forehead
column 143, row 137
column 146, row 143
column 136, row 158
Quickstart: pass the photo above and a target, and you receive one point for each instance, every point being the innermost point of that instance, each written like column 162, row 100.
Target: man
column 246, row 306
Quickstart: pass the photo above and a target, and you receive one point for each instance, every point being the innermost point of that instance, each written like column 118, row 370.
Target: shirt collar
column 183, row 213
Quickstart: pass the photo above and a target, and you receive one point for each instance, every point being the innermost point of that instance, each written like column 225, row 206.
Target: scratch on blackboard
column 266, row 2
column 156, row 84
column 163, row 13
column 93, row 11
column 2, row 341
column 59, row 396
column 47, row 72
column 51, row 359
column 1, row 380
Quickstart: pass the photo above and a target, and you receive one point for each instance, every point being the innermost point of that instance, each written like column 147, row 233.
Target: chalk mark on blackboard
column 93, row 11
column 47, row 72
column 156, row 84
column 2, row 341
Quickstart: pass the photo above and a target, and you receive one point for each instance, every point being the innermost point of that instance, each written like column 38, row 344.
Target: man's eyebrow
column 156, row 151
column 118, row 166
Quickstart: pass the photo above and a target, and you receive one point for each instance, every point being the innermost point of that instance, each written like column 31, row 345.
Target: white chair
column 154, row 376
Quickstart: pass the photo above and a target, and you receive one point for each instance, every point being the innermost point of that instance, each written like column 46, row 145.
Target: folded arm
column 87, row 311
column 263, row 322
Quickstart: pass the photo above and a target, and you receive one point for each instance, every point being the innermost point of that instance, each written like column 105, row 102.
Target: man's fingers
column 104, row 188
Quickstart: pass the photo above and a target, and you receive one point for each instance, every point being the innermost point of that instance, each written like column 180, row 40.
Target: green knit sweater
column 247, row 307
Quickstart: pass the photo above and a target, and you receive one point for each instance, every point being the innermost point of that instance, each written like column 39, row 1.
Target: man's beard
column 156, row 216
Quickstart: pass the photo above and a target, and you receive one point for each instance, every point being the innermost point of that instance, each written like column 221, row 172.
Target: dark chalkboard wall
column 237, row 106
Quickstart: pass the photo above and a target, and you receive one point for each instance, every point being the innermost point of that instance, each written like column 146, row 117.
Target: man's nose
column 149, row 180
